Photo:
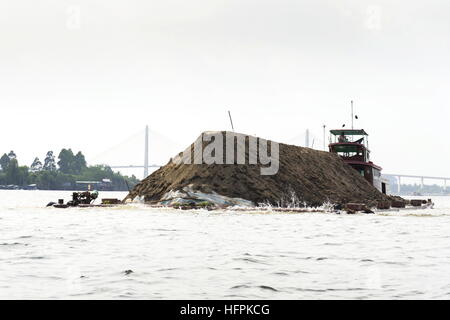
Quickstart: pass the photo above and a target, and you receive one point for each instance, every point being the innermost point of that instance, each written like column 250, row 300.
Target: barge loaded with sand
column 305, row 178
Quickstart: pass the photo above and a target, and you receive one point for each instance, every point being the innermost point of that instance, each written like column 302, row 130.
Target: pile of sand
column 305, row 176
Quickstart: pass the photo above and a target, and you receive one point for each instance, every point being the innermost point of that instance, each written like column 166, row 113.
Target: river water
column 136, row 252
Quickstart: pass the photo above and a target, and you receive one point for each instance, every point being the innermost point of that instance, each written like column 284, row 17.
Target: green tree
column 23, row 176
column 49, row 162
column 79, row 163
column 4, row 162
column 49, row 178
column 44, row 180
column 66, row 160
column 12, row 172
column 71, row 164
column 36, row 165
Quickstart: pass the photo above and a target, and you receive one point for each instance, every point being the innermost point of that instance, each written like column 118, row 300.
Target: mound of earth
column 305, row 177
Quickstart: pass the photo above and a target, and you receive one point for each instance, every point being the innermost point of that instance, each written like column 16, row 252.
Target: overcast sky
column 87, row 74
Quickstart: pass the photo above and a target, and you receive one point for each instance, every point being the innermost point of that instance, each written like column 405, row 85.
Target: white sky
column 89, row 81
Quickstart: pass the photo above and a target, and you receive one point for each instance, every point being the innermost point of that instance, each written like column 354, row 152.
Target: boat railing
column 353, row 158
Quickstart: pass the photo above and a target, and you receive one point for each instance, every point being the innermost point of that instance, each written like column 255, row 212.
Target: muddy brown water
column 135, row 252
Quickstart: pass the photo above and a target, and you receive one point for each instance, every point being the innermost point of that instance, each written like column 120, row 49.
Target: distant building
column 104, row 185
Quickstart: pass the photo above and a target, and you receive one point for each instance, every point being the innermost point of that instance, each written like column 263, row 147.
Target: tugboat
column 352, row 145
column 84, row 199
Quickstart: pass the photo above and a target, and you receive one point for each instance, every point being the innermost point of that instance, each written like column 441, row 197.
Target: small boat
column 84, row 200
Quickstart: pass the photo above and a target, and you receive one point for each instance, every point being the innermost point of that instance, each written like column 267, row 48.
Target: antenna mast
column 231, row 120
column 146, row 153
column 352, row 113
column 307, row 138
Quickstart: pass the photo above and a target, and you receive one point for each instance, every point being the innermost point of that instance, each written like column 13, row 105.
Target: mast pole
column 231, row 121
column 307, row 138
column 146, row 153
column 352, row 113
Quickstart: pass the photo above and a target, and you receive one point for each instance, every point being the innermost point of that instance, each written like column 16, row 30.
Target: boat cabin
column 352, row 145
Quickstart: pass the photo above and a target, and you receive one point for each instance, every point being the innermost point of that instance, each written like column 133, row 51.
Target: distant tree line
column 59, row 175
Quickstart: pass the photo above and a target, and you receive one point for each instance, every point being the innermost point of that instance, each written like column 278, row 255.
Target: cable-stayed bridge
column 421, row 179
column 152, row 147
column 146, row 164
column 135, row 167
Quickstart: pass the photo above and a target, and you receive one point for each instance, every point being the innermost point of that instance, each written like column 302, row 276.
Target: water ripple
column 180, row 255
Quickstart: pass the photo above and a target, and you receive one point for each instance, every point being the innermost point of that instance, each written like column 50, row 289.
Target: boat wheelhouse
column 352, row 145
